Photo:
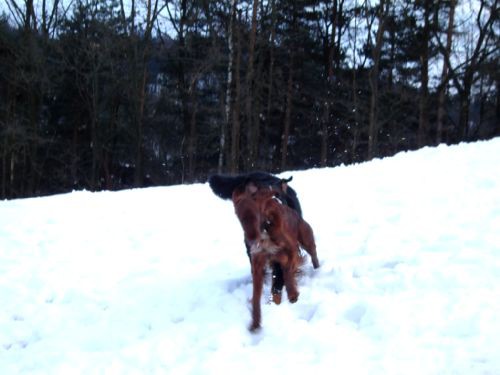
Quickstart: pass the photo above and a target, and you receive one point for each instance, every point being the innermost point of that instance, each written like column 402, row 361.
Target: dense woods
column 107, row 94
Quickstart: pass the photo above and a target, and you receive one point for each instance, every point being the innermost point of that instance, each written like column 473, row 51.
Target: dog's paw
column 276, row 298
column 293, row 297
column 254, row 327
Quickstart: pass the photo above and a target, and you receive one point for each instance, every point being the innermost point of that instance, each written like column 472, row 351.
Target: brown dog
column 274, row 233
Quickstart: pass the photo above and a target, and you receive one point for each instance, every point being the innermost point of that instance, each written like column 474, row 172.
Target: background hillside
column 107, row 94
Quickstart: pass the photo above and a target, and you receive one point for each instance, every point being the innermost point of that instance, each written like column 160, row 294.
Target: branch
column 172, row 20
column 53, row 13
column 483, row 33
column 122, row 14
column 452, row 72
column 16, row 12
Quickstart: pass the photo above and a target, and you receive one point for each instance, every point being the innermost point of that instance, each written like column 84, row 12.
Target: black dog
column 223, row 187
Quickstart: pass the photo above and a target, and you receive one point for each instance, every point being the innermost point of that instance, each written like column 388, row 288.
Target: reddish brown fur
column 274, row 232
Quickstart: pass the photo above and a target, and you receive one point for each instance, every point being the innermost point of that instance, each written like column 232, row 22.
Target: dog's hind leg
column 306, row 240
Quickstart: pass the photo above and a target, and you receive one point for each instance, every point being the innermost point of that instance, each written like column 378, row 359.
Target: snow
column 157, row 280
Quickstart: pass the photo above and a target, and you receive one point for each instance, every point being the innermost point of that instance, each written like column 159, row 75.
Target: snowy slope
column 157, row 280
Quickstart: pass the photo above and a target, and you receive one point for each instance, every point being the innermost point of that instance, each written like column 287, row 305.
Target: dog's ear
column 284, row 183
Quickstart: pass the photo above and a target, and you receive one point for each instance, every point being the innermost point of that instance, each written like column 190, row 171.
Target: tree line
column 107, row 94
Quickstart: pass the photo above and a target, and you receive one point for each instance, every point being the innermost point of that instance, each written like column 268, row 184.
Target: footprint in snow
column 356, row 313
column 307, row 312
column 235, row 284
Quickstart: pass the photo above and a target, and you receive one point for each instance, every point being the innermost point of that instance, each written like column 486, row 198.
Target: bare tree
column 236, row 126
column 285, row 136
column 37, row 22
column 382, row 14
column 423, row 117
column 332, row 40
column 252, row 127
column 444, row 71
column 270, row 76
column 229, row 100
column 464, row 74
column 140, row 46
column 357, row 64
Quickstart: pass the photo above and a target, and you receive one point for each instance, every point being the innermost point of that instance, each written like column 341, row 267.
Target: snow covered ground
column 157, row 280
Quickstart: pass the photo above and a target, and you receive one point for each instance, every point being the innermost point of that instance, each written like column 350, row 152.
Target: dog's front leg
column 258, row 264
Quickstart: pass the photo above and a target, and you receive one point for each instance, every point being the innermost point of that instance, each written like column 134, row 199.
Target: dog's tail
column 223, row 186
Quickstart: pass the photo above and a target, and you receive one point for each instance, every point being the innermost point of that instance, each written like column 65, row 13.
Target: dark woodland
column 113, row 94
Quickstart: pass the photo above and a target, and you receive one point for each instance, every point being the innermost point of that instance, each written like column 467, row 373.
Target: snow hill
column 156, row 281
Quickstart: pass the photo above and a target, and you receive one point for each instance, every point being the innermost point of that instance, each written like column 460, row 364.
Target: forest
column 113, row 94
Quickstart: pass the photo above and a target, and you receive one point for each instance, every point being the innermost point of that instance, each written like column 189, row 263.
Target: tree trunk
column 139, row 120
column 288, row 114
column 142, row 62
column 373, row 81
column 324, row 134
column 498, row 106
column 330, row 92
column 235, row 129
column 74, row 156
column 182, row 84
column 423, row 118
column 444, row 73
column 270, row 80
column 472, row 65
column 392, row 57
column 191, row 147
column 482, row 101
column 252, row 141
column 94, row 128
column 229, row 100
column 258, row 110
column 463, row 120
column 34, row 94
column 5, row 155
column 356, row 130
